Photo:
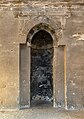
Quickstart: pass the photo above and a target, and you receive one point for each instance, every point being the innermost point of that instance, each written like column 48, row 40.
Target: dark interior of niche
column 42, row 68
column 42, row 40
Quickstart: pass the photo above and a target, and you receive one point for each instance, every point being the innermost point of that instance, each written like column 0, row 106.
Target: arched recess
column 41, row 79
column 25, row 63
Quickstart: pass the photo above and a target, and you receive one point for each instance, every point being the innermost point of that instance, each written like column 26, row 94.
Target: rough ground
column 42, row 112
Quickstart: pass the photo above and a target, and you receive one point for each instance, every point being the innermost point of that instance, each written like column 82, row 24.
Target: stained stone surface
column 17, row 18
column 43, row 112
column 41, row 75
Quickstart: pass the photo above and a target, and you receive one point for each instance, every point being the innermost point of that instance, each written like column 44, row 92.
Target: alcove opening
column 41, row 82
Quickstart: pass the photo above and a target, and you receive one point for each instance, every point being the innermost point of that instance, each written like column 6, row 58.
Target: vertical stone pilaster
column 58, row 77
column 54, row 76
column 65, row 76
column 24, row 76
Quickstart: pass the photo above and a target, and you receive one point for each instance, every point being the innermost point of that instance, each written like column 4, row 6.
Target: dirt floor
column 42, row 112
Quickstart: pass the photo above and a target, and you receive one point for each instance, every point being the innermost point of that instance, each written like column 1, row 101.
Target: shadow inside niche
column 41, row 76
column 41, row 69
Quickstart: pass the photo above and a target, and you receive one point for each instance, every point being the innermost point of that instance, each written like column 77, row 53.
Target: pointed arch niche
column 39, row 68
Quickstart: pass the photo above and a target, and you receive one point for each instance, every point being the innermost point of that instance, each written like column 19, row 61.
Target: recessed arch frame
column 55, row 33
column 45, row 27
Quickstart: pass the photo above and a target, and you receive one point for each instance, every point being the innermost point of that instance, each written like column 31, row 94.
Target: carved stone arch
column 45, row 27
column 30, row 27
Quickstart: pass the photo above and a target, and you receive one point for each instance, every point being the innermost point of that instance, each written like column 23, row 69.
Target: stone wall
column 16, row 20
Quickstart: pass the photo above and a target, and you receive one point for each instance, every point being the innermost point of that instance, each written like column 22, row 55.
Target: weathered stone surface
column 17, row 18
column 9, row 76
column 75, row 83
column 8, row 28
column 74, row 1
